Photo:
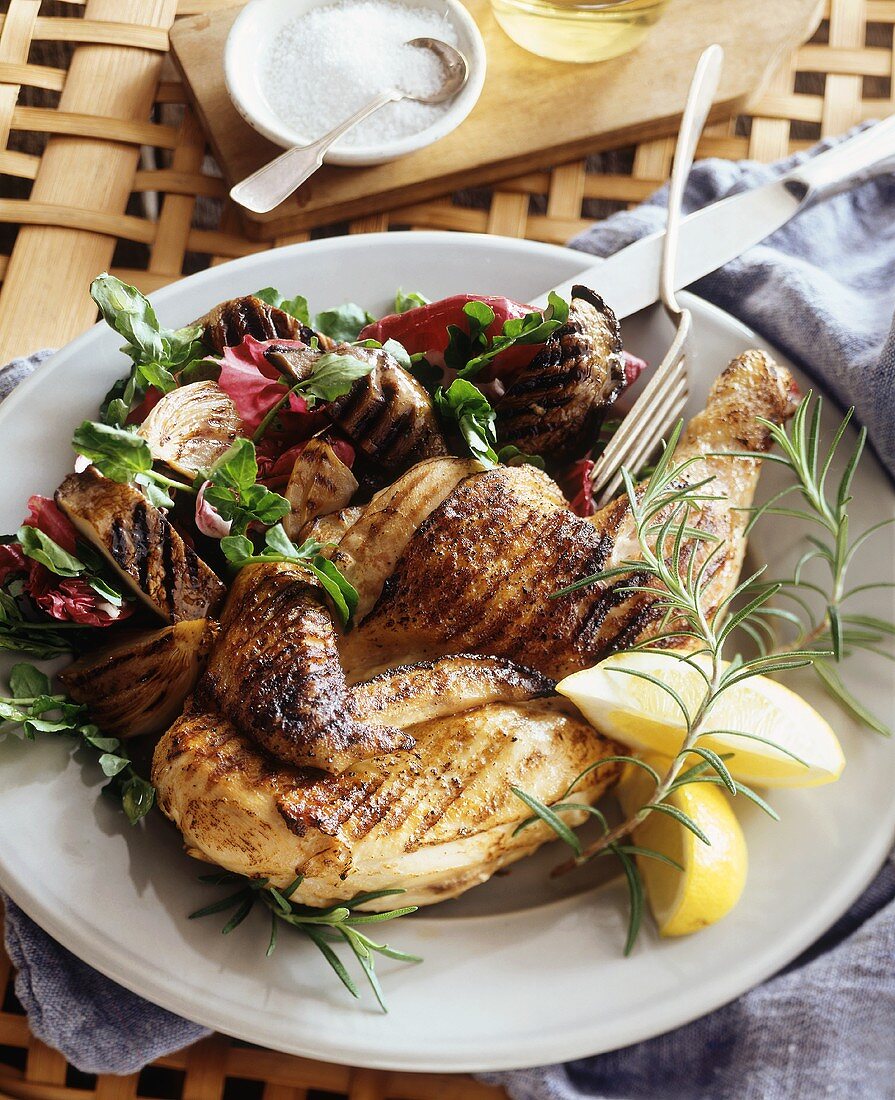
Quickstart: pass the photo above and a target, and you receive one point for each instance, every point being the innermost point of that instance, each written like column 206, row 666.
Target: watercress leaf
column 465, row 408
column 480, row 314
column 237, row 548
column 334, row 375
column 408, row 299
column 259, row 503
column 340, row 590
column 129, row 313
column 279, row 542
column 237, row 468
column 116, row 453
column 112, row 764
column 35, row 544
column 106, row 591
column 343, row 323
column 398, row 352
column 512, row 456
column 154, row 374
column 429, row 377
column 156, row 494
column 27, row 682
column 558, row 308
column 296, row 307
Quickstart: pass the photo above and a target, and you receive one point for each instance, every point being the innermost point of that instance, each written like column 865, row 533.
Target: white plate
column 520, row 971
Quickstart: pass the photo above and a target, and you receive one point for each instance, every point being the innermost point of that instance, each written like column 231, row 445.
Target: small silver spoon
column 270, row 185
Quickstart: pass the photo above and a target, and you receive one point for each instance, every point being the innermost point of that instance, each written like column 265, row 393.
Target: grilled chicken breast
column 370, row 549
column 139, row 683
column 435, row 820
column 275, row 672
column 192, row 427
column 481, row 572
column 228, row 324
column 141, row 546
column 320, row 483
column 554, row 405
column 386, row 414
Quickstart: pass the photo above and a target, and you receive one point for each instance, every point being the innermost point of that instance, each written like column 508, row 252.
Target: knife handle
column 868, row 154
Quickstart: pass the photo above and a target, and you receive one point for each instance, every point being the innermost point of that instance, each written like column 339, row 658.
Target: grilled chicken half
column 481, row 572
column 141, row 546
column 554, row 406
column 435, row 820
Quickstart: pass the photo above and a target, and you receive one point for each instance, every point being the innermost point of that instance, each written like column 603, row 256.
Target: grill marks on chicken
column 481, row 573
column 554, row 406
column 228, row 324
column 275, row 671
column 141, row 545
column 437, row 821
column 370, row 549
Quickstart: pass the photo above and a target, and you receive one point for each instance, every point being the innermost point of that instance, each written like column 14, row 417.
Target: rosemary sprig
column 825, row 508
column 32, row 708
column 340, row 923
column 675, row 565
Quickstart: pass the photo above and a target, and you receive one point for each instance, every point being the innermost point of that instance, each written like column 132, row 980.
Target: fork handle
column 275, row 182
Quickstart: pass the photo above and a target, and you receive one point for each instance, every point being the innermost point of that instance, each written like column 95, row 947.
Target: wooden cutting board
column 533, row 113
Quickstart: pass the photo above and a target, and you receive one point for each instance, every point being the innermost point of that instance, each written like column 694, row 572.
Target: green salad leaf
column 296, row 307
column 409, row 299
column 343, row 323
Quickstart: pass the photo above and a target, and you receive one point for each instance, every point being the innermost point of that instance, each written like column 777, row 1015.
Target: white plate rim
column 574, row 1043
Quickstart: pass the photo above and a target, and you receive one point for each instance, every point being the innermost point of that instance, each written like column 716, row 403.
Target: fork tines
column 651, row 417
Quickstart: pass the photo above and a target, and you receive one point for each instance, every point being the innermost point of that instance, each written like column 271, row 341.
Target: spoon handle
column 275, row 181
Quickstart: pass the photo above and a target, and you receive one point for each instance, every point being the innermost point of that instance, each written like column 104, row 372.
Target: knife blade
column 717, row 234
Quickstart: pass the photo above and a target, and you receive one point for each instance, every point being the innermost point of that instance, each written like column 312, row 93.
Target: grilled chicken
column 481, row 572
column 436, row 820
column 139, row 684
column 554, row 405
column 370, row 549
column 192, row 427
column 228, row 324
column 141, row 546
column 320, row 483
column 275, row 672
column 386, row 414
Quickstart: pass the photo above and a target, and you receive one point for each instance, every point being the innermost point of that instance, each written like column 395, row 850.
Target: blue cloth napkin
column 823, row 290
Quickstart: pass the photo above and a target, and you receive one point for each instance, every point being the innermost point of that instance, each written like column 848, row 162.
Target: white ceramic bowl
column 248, row 45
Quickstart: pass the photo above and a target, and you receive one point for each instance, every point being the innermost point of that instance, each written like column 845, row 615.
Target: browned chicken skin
column 481, row 572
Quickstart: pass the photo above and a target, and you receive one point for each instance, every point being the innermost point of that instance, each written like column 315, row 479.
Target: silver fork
column 662, row 401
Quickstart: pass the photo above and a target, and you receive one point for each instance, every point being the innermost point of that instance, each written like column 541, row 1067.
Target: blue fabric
column 822, row 289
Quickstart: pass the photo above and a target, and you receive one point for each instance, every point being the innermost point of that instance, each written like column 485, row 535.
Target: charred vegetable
column 320, row 483
column 228, row 324
column 139, row 685
column 145, row 550
column 191, row 427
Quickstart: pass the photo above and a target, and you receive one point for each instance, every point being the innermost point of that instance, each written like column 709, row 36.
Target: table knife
column 717, row 234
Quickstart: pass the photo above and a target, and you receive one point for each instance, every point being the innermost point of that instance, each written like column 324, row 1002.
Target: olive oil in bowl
column 575, row 30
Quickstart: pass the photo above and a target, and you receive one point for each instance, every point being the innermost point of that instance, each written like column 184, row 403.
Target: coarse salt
column 326, row 64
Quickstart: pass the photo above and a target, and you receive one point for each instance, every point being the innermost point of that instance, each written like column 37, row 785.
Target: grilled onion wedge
column 320, row 483
column 139, row 684
column 191, row 427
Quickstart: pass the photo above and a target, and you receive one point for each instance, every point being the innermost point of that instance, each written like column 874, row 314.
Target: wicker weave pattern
column 175, row 221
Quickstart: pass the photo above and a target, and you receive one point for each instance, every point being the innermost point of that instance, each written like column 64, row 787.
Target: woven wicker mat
column 91, row 113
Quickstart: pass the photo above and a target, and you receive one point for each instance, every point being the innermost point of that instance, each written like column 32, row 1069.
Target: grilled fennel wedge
column 139, row 683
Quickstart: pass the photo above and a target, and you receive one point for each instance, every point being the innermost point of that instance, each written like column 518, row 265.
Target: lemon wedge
column 713, row 875
column 643, row 716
